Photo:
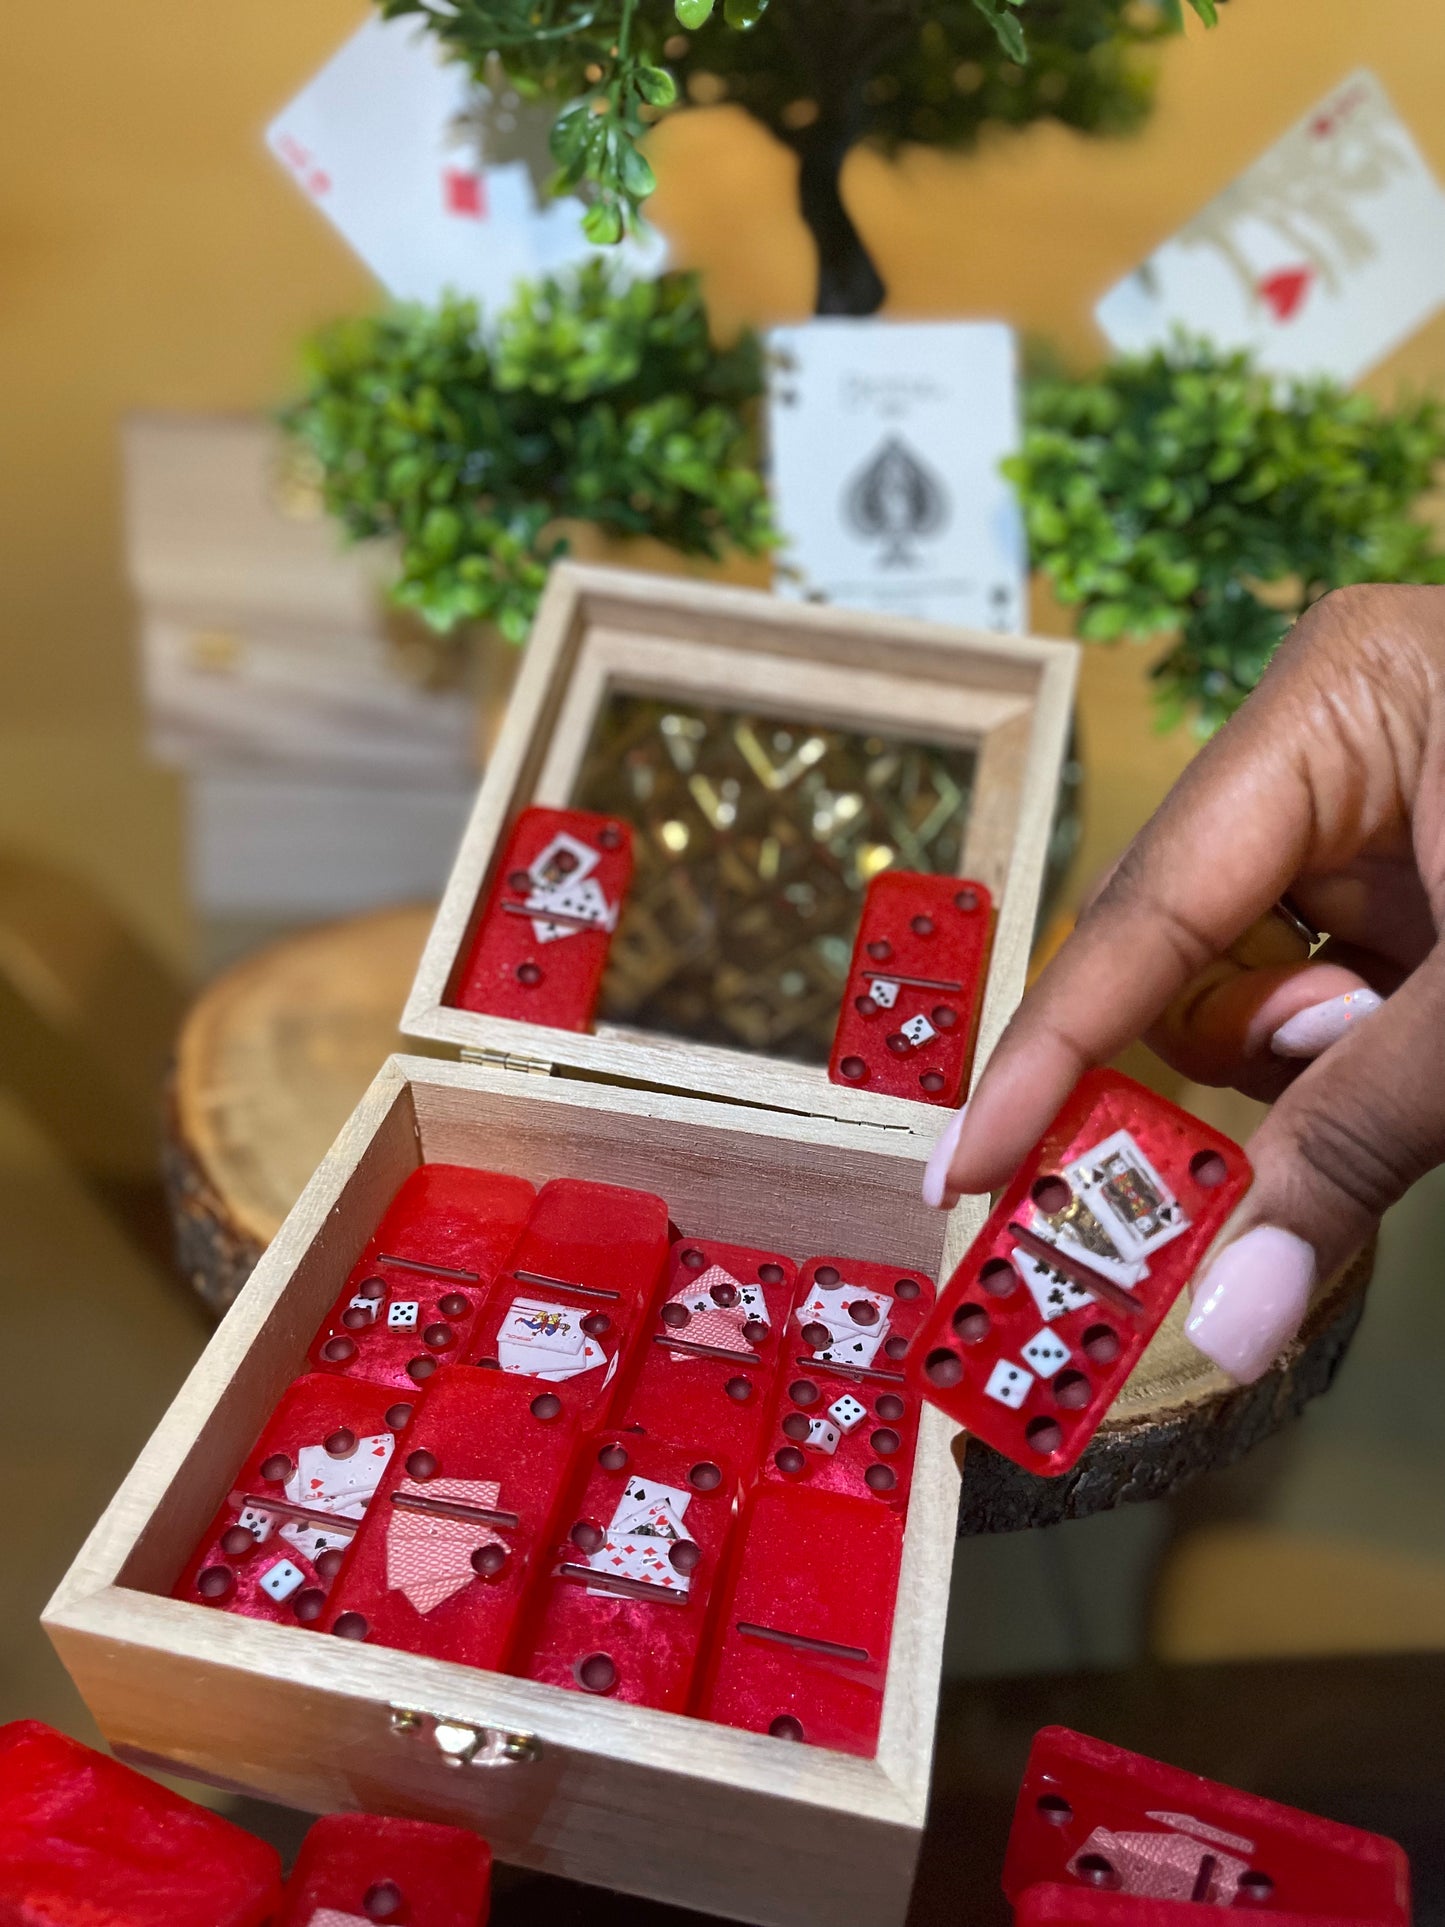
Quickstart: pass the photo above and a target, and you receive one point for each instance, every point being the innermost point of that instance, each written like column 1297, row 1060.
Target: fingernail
column 1251, row 1300
column 935, row 1172
column 1311, row 1031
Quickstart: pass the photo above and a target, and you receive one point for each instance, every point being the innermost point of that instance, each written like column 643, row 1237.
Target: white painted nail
column 935, row 1174
column 1313, row 1030
column 1250, row 1302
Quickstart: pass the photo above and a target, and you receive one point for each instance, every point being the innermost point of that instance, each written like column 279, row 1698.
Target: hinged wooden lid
column 606, row 635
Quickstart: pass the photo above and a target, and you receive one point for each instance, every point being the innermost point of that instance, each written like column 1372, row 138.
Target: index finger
column 1225, row 843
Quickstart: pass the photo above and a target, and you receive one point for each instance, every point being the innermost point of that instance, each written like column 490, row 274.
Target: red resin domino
column 1091, row 1815
column 441, row 1565
column 909, row 1014
column 86, row 1842
column 621, row 1608
column 704, row 1375
column 801, row 1641
column 843, row 1419
column 356, row 1868
column 415, row 1296
column 275, row 1546
column 1053, row 1905
column 1097, row 1234
column 539, row 968
column 574, row 1294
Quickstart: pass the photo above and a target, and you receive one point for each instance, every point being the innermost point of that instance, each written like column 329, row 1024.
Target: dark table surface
column 1360, row 1740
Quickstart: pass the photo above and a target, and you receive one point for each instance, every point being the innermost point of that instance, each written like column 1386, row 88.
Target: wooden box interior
column 735, row 1823
column 603, row 632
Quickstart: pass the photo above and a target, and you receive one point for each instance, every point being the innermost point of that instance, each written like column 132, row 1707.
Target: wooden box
column 743, row 1147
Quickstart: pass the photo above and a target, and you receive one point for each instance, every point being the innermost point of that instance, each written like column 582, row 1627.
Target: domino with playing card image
column 804, row 1619
column 343, row 1433
column 442, row 1563
column 1123, row 1185
column 915, row 986
column 546, row 920
column 706, row 1365
column 1093, row 1816
column 438, row 1247
column 622, row 1608
column 442, row 1874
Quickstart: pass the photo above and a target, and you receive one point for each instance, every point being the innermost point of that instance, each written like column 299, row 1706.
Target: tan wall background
column 153, row 255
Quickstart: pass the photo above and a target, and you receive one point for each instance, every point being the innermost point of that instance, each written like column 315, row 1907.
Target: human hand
column 1328, row 785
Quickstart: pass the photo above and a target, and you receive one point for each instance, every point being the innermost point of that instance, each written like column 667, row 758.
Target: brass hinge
column 506, row 1060
column 462, row 1743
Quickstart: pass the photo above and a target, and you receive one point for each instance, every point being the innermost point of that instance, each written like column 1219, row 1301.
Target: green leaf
column 637, row 177
column 1207, row 10
column 693, row 14
column 744, row 14
column 602, row 223
column 1007, row 30
column 656, row 86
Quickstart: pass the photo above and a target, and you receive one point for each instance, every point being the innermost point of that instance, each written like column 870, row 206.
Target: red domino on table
column 621, row 1605
column 354, row 1868
column 275, row 1546
column 1054, row 1905
column 539, row 968
column 800, row 1645
column 705, row 1371
column 1097, row 1234
column 86, row 1842
column 1093, row 1815
column 843, row 1419
column 414, row 1298
column 442, row 1565
column 910, row 1007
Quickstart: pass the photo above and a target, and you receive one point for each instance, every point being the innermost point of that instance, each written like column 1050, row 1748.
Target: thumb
column 1345, row 1141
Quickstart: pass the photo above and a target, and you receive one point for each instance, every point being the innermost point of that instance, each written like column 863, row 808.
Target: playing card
column 830, row 1306
column 543, row 1330
column 312, row 1541
column 1322, row 257
column 1078, row 1230
column 340, row 1485
column 858, row 1349
column 1053, row 1292
column 640, row 1496
column 886, row 437
column 565, row 859
column 1127, row 1196
column 556, row 1371
column 624, row 1556
column 584, row 901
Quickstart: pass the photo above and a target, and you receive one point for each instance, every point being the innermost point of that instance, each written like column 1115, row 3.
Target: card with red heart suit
column 76, row 1825
column 547, row 918
column 441, row 1565
column 843, row 1419
column 1054, row 1905
column 621, row 1605
column 572, row 1298
column 705, row 1374
column 359, row 1867
column 910, row 1007
column 275, row 1546
column 1093, row 1816
column 415, row 1296
column 800, row 1644
column 1095, row 1237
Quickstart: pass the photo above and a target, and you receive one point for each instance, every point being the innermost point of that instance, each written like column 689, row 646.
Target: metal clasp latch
column 460, row 1743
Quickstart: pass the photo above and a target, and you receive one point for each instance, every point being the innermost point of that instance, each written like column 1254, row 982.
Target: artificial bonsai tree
column 587, row 400
column 822, row 75
column 1187, row 494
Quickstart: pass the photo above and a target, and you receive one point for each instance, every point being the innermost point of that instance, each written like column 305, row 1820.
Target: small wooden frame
column 734, row 1823
column 604, row 631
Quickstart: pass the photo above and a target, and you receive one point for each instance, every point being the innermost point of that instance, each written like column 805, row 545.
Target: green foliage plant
column 1187, row 495
column 587, row 400
column 822, row 75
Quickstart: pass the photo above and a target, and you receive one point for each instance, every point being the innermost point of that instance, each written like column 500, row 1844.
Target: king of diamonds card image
column 546, row 920
column 622, row 1609
column 842, row 1418
column 441, row 1565
column 1091, row 1815
column 274, row 1549
column 1073, row 1273
column 705, row 1372
column 415, row 1296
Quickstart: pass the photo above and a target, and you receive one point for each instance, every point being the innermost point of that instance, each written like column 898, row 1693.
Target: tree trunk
column 848, row 282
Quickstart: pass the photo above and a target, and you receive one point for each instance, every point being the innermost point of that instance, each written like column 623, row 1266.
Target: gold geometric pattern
column 755, row 840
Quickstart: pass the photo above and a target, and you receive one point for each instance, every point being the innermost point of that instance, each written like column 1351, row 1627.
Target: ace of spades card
column 1322, row 257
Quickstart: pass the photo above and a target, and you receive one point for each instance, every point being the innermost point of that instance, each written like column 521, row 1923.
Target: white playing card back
column 886, row 438
column 1322, row 257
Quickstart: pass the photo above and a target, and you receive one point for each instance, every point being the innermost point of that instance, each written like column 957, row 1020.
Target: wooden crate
column 744, row 1148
